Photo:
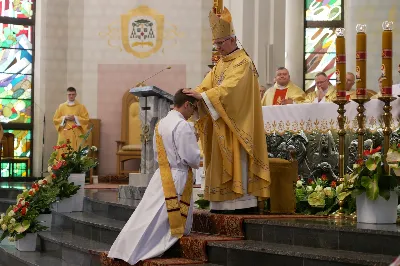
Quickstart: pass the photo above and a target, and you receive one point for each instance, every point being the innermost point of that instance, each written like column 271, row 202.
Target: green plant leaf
column 372, row 190
column 372, row 162
column 343, row 195
column 366, row 181
column 22, row 227
column 357, row 192
column 384, row 193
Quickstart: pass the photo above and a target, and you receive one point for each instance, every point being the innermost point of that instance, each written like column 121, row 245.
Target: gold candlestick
column 386, row 91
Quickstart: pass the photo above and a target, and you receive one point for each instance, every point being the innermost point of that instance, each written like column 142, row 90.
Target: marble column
column 294, row 41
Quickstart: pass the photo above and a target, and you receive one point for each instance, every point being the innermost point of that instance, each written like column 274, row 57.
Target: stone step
column 248, row 252
column 9, row 255
column 89, row 225
column 10, row 193
column 5, row 203
column 72, row 249
column 328, row 234
column 107, row 204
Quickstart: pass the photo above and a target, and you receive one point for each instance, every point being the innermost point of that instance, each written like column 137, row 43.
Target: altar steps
column 249, row 252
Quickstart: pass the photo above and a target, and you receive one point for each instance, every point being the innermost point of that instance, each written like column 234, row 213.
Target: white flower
column 309, row 189
column 11, row 239
column 40, row 182
column 4, row 227
column 319, row 188
column 329, row 192
column 339, row 189
column 2, row 215
column 355, row 166
column 1, row 221
column 22, row 202
column 12, row 221
column 33, row 191
column 299, row 183
column 93, row 148
column 11, row 213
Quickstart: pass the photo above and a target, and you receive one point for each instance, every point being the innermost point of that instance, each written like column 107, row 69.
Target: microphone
column 140, row 84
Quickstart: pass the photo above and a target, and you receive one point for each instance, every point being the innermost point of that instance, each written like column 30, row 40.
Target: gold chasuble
column 274, row 94
column 177, row 209
column 68, row 129
column 232, row 88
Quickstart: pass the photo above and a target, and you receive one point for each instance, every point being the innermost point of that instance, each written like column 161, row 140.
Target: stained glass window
column 323, row 10
column 16, row 8
column 322, row 17
column 19, row 165
column 16, row 78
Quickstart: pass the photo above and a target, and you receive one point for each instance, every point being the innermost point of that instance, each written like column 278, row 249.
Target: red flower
column 31, row 193
column 26, row 204
column 53, row 176
column 372, row 151
column 310, row 181
column 15, row 209
column 63, row 155
column 323, row 177
column 23, row 211
column 44, row 182
column 56, row 147
column 398, row 145
column 333, row 184
column 58, row 165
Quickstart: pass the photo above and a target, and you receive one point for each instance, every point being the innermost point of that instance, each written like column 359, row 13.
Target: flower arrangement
column 316, row 196
column 369, row 176
column 21, row 218
column 393, row 158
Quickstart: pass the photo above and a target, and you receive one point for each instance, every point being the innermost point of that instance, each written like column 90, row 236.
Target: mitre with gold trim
column 221, row 25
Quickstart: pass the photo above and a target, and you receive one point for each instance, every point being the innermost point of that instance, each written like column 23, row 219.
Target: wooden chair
column 129, row 147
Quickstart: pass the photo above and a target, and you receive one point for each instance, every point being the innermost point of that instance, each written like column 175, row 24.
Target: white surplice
column 147, row 233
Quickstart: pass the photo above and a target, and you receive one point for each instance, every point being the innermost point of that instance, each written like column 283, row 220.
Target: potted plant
column 374, row 189
column 69, row 166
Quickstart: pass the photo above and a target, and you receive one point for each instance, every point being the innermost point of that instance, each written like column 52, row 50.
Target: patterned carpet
column 207, row 227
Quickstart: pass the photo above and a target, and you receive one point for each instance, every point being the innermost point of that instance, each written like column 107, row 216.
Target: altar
column 311, row 130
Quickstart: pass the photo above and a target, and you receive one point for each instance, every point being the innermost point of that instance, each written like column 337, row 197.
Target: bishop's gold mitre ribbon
column 221, row 25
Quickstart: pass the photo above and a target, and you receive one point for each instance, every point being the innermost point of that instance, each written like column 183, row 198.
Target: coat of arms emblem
column 142, row 31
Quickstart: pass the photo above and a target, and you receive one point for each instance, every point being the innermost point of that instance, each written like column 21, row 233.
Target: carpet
column 232, row 225
column 207, row 227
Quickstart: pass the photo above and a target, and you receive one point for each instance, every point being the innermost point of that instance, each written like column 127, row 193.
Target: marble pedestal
column 136, row 188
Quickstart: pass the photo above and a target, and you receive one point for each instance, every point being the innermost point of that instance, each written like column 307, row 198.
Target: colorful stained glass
column 16, row 8
column 15, row 36
column 14, row 110
column 18, row 166
column 320, row 53
column 323, row 10
column 15, row 86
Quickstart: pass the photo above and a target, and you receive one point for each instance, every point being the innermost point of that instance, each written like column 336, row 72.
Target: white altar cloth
column 322, row 117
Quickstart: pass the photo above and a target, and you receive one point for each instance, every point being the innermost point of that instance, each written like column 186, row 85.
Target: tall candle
column 340, row 64
column 361, row 61
column 386, row 67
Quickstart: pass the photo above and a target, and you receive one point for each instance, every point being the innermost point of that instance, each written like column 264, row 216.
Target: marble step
column 9, row 193
column 107, row 204
column 89, row 225
column 9, row 255
column 71, row 248
column 248, row 252
column 5, row 203
column 328, row 234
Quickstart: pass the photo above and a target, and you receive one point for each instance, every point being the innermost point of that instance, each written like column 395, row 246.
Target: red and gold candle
column 340, row 65
column 386, row 67
column 361, row 61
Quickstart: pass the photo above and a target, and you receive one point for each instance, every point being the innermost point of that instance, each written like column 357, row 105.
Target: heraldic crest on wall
column 142, row 31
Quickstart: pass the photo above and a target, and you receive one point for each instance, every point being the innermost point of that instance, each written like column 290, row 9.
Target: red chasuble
column 279, row 96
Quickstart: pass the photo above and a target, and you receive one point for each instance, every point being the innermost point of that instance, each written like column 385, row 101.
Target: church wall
column 372, row 13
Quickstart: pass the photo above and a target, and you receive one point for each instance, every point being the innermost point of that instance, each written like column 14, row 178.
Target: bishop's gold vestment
column 293, row 92
column 71, row 129
column 233, row 90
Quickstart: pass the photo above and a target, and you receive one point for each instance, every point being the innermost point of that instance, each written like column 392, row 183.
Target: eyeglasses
column 320, row 82
column 194, row 106
column 220, row 43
